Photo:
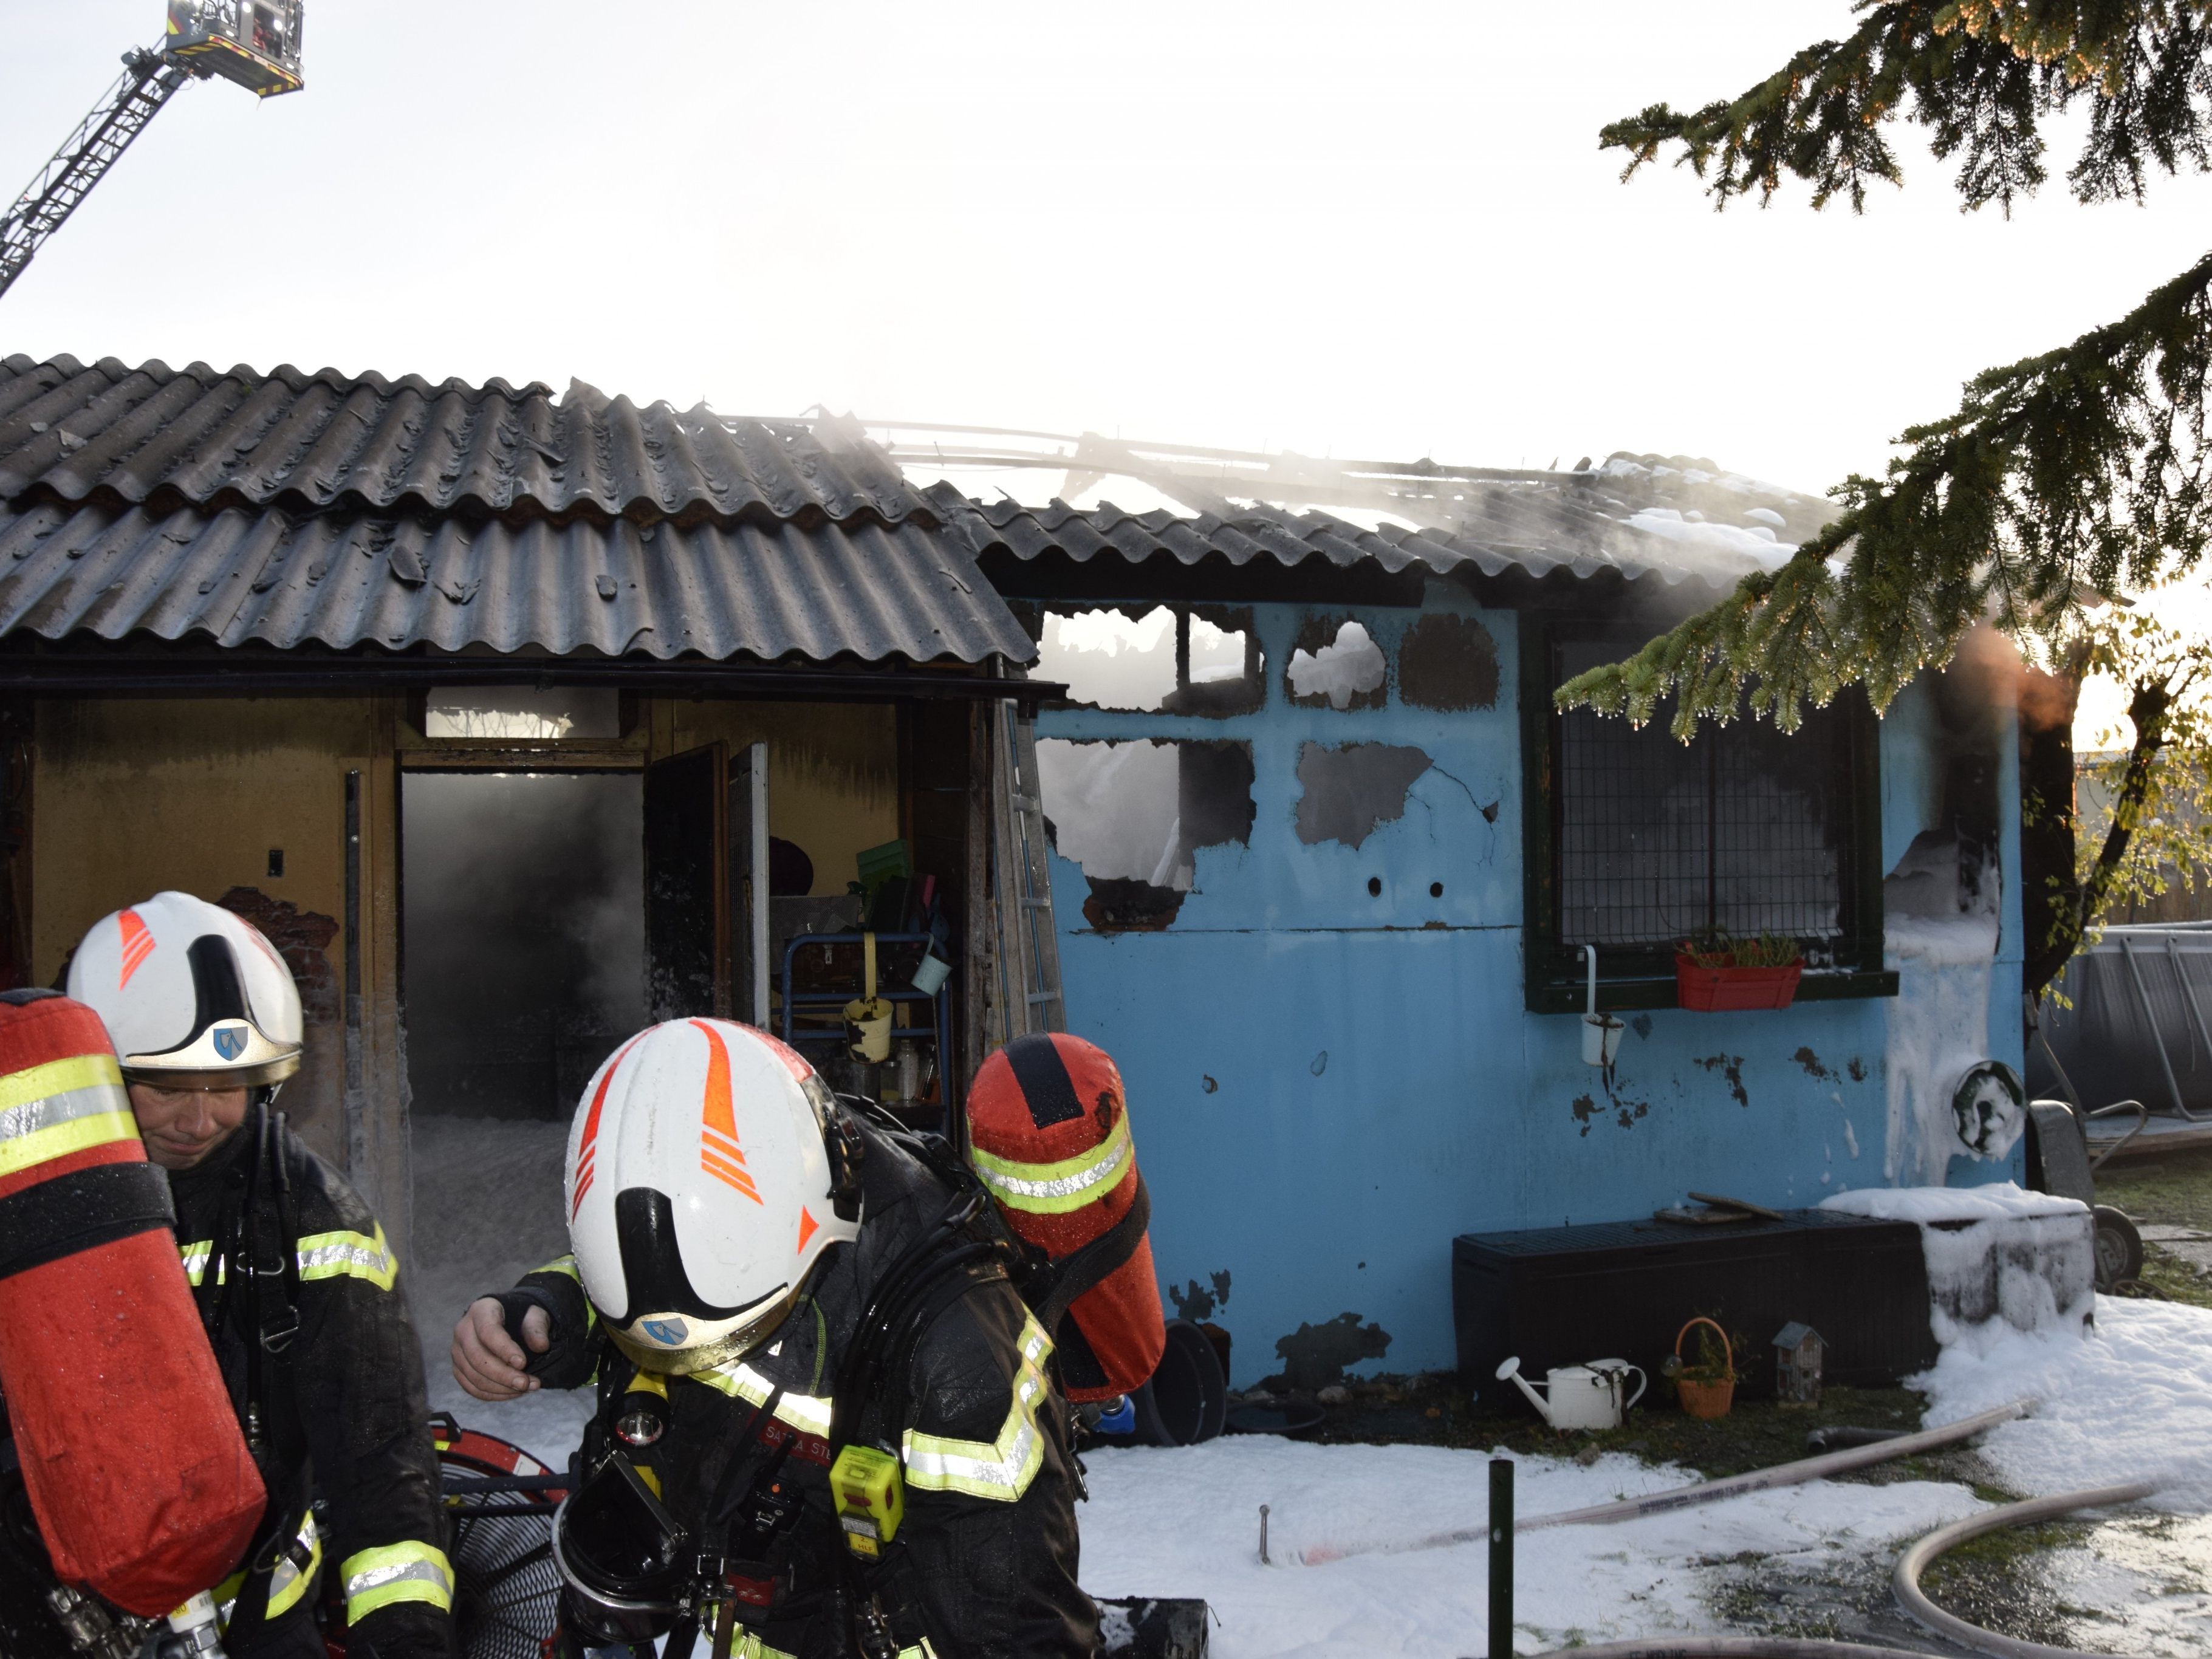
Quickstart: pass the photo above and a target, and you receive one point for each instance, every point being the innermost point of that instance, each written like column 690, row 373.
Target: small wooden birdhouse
column 1797, row 1360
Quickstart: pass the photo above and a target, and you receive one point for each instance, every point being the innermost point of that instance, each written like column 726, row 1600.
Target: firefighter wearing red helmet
column 320, row 1358
column 828, row 1423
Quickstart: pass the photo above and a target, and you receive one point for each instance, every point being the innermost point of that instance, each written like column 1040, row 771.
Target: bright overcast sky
column 1380, row 230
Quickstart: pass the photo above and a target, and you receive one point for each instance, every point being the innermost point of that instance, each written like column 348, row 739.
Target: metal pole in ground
column 1501, row 1558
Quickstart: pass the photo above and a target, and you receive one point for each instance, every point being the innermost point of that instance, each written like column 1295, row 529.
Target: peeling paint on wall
column 1731, row 1068
column 1315, row 1356
column 1447, row 662
column 1811, row 1061
column 1195, row 1301
column 1348, row 790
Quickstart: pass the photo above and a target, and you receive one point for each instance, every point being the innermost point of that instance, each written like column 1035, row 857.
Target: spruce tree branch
column 2059, row 479
column 1980, row 76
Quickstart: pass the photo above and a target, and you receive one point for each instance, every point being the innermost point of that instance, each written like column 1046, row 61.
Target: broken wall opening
column 1336, row 664
column 1347, row 793
column 1448, row 663
column 522, row 935
column 1134, row 815
column 1170, row 660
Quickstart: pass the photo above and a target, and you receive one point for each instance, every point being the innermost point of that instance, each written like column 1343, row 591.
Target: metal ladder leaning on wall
column 1025, row 973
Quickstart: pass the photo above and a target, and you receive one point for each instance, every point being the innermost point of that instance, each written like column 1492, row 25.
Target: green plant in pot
column 1706, row 1385
column 1715, row 970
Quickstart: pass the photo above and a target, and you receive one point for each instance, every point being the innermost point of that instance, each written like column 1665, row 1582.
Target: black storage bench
column 1560, row 1296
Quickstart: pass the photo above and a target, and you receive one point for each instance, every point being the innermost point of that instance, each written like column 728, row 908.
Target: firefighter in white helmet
column 769, row 1288
column 321, row 1358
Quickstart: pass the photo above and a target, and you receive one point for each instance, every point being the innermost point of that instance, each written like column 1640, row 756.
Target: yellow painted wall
column 833, row 772
column 135, row 795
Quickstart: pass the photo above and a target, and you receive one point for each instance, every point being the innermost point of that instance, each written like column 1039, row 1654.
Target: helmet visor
column 677, row 1345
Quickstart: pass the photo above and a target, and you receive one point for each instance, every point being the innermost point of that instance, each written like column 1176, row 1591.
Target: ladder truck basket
column 255, row 43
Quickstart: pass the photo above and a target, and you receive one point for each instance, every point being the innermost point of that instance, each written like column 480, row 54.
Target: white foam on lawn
column 2132, row 1400
column 1186, row 1523
column 487, row 1211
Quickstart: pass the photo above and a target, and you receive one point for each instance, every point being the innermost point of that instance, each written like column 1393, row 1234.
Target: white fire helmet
column 700, row 1190
column 192, row 996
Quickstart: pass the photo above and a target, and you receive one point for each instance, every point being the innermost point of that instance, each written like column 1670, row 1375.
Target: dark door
column 687, row 935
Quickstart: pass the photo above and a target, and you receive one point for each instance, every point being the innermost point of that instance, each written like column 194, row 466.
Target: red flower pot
column 1713, row 990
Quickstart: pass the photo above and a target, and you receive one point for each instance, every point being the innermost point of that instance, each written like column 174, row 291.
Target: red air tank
column 1049, row 1134
column 142, row 1484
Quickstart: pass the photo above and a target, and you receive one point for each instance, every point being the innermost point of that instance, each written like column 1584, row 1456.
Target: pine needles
column 2061, row 479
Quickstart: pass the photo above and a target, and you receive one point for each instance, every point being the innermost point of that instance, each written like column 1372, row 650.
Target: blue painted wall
column 1327, row 1086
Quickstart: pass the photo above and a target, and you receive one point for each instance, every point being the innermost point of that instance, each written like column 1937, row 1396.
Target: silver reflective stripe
column 348, row 1255
column 803, row 1412
column 999, row 1469
column 32, row 1115
column 392, row 1573
column 322, row 1255
column 196, row 1261
column 1056, row 1187
column 294, row 1576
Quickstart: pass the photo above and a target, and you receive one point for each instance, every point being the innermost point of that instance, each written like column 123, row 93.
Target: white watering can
column 1601, row 1032
column 1582, row 1396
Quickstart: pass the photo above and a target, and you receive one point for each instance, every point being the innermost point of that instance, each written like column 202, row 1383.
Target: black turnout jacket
column 342, row 1419
column 984, row 1564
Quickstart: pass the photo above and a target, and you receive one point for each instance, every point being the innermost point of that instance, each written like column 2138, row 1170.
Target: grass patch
column 2175, row 1188
column 2174, row 1278
column 1993, row 1581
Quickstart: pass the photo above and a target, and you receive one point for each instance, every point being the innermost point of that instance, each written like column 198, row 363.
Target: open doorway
column 523, row 936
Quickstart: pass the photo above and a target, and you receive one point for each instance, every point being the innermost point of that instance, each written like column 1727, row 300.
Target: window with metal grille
column 1640, row 842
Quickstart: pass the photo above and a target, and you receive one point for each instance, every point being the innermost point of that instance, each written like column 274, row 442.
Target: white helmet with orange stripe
column 193, row 997
column 700, row 1190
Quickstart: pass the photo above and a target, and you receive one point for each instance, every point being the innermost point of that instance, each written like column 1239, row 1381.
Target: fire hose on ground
column 1904, row 1582
column 1705, row 1491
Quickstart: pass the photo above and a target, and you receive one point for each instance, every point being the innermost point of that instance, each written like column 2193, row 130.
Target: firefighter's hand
column 486, row 1360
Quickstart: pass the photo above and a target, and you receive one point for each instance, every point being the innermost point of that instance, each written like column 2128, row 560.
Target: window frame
column 1643, row 977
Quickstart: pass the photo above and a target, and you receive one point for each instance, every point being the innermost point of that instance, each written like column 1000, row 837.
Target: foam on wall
column 1941, row 935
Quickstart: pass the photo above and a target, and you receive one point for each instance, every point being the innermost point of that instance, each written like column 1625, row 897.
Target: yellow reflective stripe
column 392, row 1573
column 225, row 1600
column 804, row 1412
column 348, row 1255
column 59, row 1077
column 750, row 1646
column 23, row 1148
column 1056, row 1188
column 291, row 1581
column 195, row 1257
column 999, row 1469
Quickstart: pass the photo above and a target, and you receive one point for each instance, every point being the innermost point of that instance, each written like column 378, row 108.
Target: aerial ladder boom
column 255, row 43
column 85, row 156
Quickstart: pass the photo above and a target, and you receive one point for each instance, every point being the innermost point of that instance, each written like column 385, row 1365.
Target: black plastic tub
column 1560, row 1296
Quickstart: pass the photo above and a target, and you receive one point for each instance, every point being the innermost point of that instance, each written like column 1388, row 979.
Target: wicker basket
column 1706, row 1400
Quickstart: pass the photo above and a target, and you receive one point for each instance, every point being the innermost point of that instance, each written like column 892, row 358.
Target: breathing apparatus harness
column 251, row 1280
column 639, row 1572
